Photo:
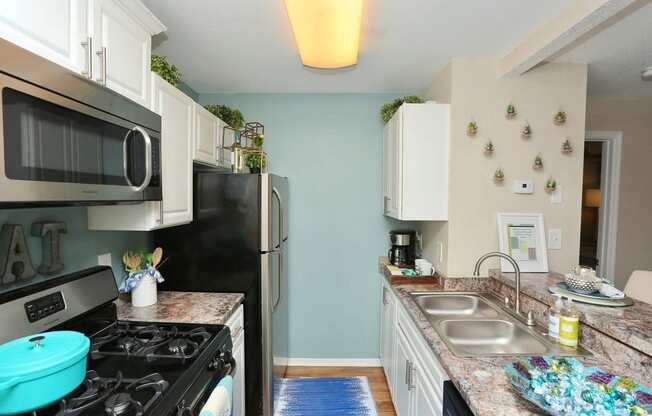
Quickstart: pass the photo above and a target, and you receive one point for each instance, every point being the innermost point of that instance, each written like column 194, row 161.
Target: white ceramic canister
column 144, row 294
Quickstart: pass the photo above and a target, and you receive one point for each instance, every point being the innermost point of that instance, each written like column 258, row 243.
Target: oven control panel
column 45, row 306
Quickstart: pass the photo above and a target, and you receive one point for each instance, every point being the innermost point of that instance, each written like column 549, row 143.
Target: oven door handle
column 148, row 159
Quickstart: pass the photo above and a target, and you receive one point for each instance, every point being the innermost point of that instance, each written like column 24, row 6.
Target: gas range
column 141, row 368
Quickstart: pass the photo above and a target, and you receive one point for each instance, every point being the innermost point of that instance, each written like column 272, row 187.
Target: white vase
column 144, row 294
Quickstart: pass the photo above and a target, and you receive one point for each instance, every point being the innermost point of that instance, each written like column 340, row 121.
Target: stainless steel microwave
column 67, row 140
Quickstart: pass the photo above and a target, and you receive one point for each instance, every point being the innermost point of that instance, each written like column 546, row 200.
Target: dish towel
column 611, row 292
column 219, row 402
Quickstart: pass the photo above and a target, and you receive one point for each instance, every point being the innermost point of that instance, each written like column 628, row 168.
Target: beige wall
column 478, row 92
column 634, row 119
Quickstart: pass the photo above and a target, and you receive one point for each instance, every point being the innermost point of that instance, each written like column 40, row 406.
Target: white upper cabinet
column 176, row 110
column 207, row 137
column 54, row 29
column 415, row 163
column 121, row 33
column 108, row 41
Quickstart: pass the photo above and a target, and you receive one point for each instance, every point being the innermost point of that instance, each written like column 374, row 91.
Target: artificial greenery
column 166, row 70
column 259, row 140
column 233, row 118
column 388, row 109
column 256, row 161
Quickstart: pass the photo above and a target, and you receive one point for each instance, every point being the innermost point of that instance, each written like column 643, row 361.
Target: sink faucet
column 510, row 259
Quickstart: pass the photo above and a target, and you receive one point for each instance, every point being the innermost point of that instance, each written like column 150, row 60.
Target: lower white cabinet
column 236, row 325
column 414, row 374
column 176, row 111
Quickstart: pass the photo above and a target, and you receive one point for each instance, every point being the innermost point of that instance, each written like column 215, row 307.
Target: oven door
column 56, row 150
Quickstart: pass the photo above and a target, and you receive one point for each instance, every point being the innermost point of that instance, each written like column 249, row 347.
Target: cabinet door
column 206, row 132
column 426, row 401
column 122, row 51
column 175, row 109
column 53, row 29
column 403, row 362
column 397, row 164
column 238, row 408
column 387, row 337
column 387, row 173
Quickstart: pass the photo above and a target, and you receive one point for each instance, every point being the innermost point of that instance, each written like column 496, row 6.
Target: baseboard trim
column 333, row 362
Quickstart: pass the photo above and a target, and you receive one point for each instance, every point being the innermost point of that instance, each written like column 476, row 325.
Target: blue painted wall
column 330, row 146
column 80, row 247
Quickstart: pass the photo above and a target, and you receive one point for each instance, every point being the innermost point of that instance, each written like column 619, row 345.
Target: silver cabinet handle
column 384, row 296
column 280, row 244
column 411, row 383
column 102, row 55
column 148, row 159
column 88, row 68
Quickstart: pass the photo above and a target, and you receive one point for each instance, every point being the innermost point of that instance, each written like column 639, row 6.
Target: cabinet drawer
column 236, row 323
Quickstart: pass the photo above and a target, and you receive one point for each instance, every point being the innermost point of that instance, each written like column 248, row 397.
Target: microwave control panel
column 45, row 306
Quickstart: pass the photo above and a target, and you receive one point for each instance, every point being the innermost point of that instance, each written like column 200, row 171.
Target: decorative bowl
column 583, row 285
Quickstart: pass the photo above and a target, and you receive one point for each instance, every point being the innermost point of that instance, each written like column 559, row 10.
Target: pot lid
column 37, row 355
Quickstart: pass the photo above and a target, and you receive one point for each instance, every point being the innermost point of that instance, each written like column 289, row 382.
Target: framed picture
column 523, row 236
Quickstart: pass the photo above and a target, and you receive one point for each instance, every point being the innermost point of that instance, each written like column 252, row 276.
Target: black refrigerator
column 237, row 242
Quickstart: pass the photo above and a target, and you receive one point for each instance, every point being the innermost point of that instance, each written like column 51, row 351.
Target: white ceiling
column 616, row 55
column 247, row 45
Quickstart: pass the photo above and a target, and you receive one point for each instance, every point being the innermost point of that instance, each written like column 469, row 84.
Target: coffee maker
column 403, row 251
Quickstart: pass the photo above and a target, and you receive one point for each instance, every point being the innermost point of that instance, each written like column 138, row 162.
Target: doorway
column 600, row 189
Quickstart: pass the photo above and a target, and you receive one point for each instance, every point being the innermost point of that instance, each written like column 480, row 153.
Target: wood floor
column 376, row 377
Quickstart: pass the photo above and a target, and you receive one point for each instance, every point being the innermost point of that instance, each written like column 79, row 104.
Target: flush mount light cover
column 327, row 32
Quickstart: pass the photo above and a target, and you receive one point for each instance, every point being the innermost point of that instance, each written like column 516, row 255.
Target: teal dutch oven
column 38, row 370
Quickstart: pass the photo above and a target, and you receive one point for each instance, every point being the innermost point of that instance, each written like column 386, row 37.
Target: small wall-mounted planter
column 510, row 112
column 526, row 133
column 489, row 148
column 560, row 118
column 499, row 176
column 566, row 147
column 472, row 129
column 538, row 163
column 551, row 185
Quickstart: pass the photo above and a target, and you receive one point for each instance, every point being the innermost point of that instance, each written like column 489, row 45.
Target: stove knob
column 216, row 364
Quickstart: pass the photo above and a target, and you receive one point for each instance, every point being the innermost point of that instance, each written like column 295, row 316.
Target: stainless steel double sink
column 472, row 325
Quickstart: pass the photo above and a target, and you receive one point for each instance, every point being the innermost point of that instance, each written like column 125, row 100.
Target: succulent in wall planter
column 499, row 176
column 472, row 129
column 256, row 162
column 551, row 185
column 388, row 109
column 510, row 113
column 232, row 117
column 566, row 147
column 165, row 70
column 560, row 118
column 259, row 140
column 538, row 163
column 526, row 133
column 489, row 148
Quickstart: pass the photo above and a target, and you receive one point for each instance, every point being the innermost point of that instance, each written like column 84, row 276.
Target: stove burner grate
column 115, row 394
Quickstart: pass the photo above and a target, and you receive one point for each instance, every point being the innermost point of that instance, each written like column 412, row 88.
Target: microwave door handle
column 148, row 158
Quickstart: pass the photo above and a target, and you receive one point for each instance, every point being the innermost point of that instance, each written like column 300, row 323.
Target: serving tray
column 593, row 299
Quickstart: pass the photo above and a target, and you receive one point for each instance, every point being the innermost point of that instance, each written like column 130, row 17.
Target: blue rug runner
column 324, row 396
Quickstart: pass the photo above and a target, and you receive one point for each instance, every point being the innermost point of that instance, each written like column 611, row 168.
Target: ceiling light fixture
column 646, row 73
column 327, row 32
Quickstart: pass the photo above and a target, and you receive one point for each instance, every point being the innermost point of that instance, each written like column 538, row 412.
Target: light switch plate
column 104, row 259
column 521, row 186
column 554, row 239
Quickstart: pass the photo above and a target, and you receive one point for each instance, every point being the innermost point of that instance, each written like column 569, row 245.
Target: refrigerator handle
column 280, row 244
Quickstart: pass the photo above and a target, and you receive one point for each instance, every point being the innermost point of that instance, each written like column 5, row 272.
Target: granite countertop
column 183, row 307
column 631, row 325
column 481, row 381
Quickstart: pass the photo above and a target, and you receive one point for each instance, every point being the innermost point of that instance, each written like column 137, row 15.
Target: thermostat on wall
column 523, row 187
